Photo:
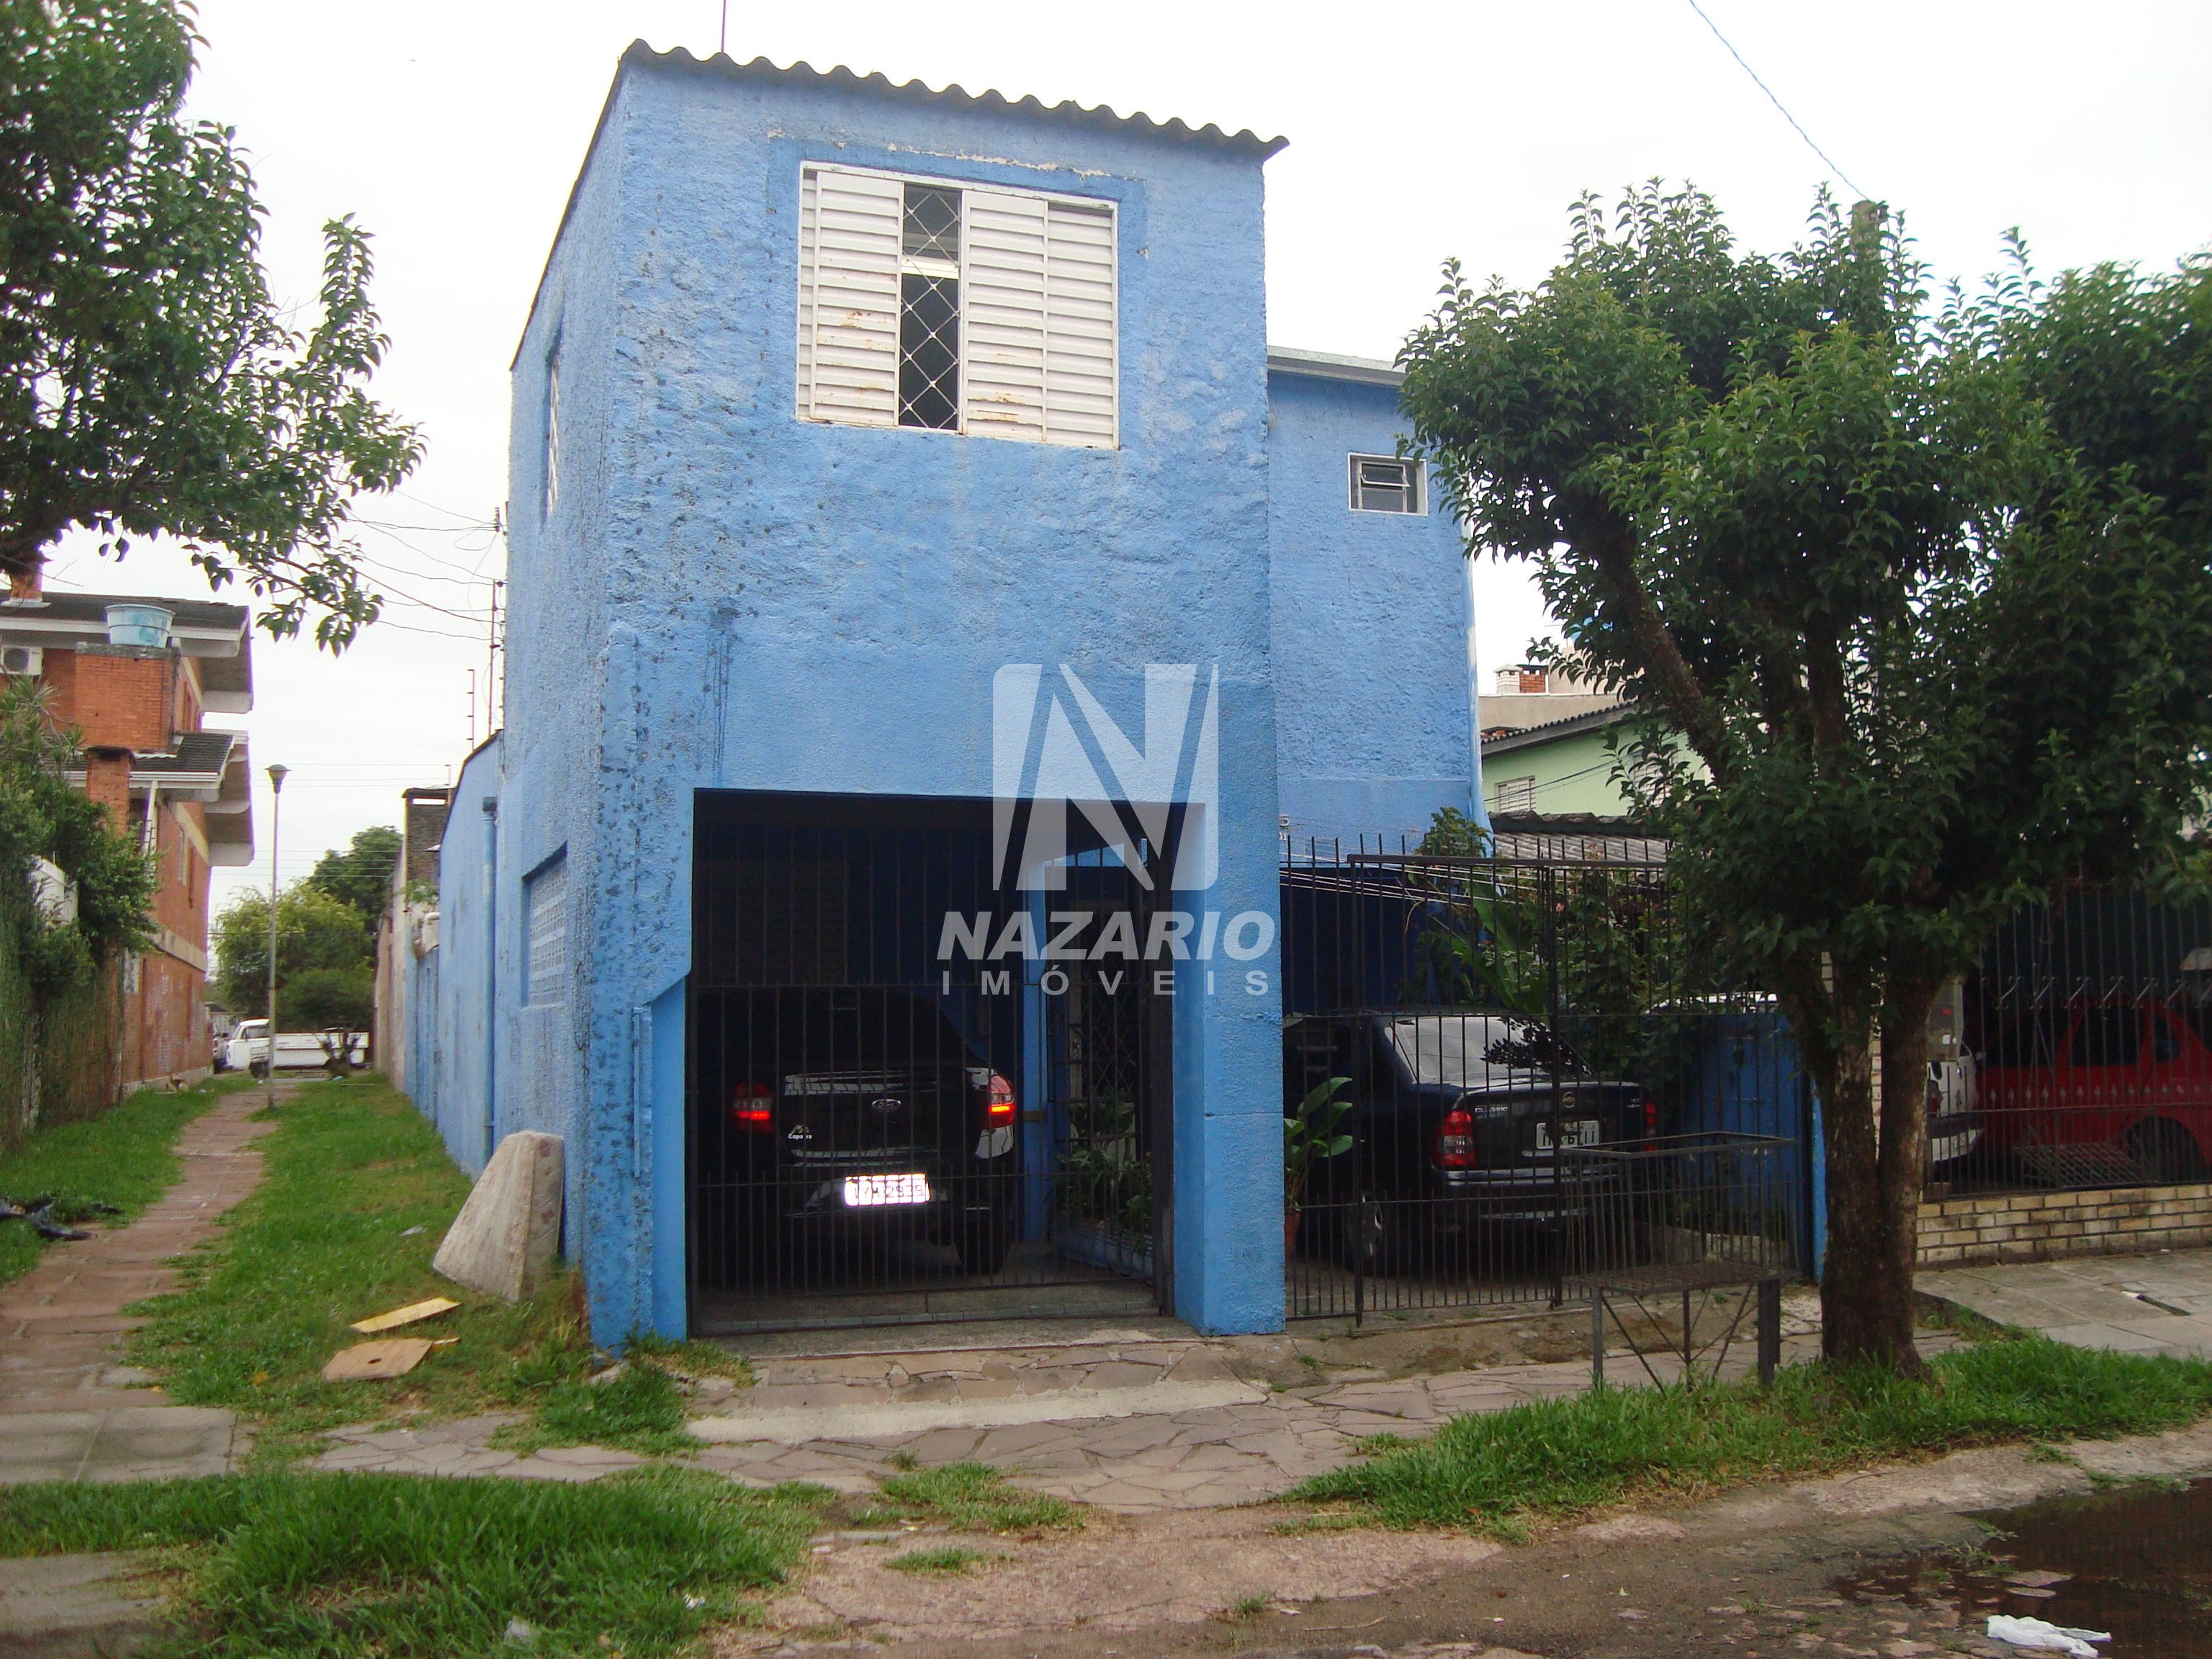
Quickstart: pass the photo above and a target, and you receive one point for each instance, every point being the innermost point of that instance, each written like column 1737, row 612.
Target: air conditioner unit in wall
column 21, row 659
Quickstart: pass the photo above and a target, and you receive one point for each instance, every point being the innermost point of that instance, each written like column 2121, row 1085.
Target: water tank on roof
column 139, row 624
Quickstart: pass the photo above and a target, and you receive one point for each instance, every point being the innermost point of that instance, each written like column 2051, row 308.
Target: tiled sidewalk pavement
column 2160, row 1303
column 1138, row 1425
column 69, row 1409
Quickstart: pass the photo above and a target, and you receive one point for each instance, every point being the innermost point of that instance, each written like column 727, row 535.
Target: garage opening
column 901, row 1107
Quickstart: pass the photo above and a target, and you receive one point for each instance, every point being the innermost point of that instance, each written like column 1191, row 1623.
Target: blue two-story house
column 932, row 602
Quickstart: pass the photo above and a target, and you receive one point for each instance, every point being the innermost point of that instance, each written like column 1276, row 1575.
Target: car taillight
column 749, row 1108
column 998, row 1101
column 1454, row 1148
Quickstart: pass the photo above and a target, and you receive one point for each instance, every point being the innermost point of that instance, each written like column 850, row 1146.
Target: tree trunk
column 1874, row 1170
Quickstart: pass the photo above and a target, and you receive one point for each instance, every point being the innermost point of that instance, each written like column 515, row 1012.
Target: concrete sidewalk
column 2160, row 1303
column 1136, row 1422
column 69, row 1410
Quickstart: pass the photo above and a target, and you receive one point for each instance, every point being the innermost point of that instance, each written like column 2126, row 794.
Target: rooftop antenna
column 472, row 710
column 722, row 45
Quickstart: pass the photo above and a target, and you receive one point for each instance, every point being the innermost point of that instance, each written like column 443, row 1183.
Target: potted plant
column 1310, row 1136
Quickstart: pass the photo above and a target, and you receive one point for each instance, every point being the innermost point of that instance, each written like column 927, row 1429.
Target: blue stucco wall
column 725, row 597
column 419, row 986
column 1371, row 620
column 728, row 597
column 461, row 1029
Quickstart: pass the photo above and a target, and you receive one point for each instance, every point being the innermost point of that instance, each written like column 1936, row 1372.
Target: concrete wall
column 461, row 1102
column 1371, row 628
column 1574, row 775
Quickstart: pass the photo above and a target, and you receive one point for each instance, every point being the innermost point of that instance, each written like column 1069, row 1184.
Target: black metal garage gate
column 901, row 1109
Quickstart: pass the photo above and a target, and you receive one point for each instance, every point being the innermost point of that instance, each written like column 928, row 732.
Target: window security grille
column 982, row 311
column 552, row 432
column 929, row 309
column 1383, row 483
column 545, row 900
column 1516, row 795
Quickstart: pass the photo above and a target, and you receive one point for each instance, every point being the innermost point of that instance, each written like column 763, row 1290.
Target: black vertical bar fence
column 898, row 1111
column 1503, row 1074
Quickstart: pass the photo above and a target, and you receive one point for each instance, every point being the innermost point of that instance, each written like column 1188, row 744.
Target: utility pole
column 491, row 664
column 276, row 775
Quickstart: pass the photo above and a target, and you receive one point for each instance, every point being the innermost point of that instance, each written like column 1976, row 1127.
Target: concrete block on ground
column 505, row 1237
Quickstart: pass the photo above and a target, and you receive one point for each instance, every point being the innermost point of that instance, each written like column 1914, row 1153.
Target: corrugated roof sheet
column 760, row 69
column 840, row 77
column 1568, row 726
column 198, row 754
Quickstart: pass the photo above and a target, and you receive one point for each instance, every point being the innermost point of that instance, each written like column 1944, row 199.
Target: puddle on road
column 2137, row 1561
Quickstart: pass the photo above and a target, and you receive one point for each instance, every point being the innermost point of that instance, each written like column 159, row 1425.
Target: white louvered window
column 1515, row 796
column 957, row 308
column 545, row 901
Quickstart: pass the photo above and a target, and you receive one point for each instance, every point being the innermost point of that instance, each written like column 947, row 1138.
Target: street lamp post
column 277, row 775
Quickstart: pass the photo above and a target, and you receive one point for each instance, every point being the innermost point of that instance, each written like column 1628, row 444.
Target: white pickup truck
column 248, row 1048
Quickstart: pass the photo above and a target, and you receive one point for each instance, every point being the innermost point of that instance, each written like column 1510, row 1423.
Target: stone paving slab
column 69, row 1410
column 1170, row 1446
column 2160, row 1303
column 56, row 1605
column 133, row 1442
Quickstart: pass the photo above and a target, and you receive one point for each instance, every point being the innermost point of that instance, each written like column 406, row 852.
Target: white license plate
column 1582, row 1132
column 863, row 1192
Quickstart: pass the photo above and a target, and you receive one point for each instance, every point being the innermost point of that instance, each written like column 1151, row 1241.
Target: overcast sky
column 1417, row 132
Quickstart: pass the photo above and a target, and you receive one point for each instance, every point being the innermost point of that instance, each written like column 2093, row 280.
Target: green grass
column 972, row 1497
column 943, row 1562
column 1554, row 1459
column 356, row 1194
column 691, row 1357
column 125, row 1157
column 1245, row 1608
column 641, row 1410
column 292, row 1564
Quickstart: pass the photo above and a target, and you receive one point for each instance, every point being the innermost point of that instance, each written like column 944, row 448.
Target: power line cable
column 1827, row 159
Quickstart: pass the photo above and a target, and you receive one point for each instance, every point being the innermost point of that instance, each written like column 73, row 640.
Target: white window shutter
column 1082, row 376
column 548, row 964
column 1003, row 294
column 848, row 296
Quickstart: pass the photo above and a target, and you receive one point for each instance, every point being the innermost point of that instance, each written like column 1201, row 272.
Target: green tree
column 361, row 875
column 314, row 932
column 148, row 383
column 42, row 815
column 336, row 1002
column 1930, row 607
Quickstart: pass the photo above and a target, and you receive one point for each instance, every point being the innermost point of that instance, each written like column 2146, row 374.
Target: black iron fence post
column 1548, row 937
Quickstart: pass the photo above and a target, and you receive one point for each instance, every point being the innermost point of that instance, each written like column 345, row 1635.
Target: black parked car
column 849, row 1118
column 1455, row 1126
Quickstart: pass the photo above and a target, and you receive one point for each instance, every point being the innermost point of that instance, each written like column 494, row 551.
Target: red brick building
column 136, row 675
